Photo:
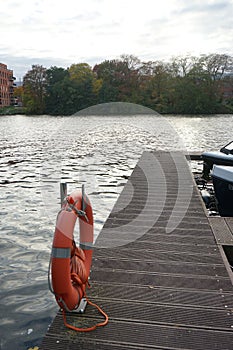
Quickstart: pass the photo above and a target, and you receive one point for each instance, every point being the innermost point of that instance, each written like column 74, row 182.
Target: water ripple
column 35, row 154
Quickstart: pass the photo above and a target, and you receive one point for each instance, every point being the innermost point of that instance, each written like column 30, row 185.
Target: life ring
column 70, row 265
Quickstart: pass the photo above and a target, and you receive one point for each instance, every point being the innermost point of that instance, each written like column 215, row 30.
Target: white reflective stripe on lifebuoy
column 65, row 223
column 86, row 245
column 61, row 253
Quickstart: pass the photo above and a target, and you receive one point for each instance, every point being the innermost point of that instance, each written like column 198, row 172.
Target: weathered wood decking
column 158, row 269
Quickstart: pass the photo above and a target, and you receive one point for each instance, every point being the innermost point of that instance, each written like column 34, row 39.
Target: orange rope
column 79, row 279
column 77, row 329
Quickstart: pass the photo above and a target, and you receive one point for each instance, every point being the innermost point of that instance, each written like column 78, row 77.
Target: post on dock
column 63, row 191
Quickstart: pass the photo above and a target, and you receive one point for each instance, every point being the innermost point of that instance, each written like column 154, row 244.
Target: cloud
column 193, row 28
column 61, row 33
column 21, row 64
column 207, row 7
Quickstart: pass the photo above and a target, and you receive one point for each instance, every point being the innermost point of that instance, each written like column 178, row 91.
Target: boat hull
column 218, row 158
column 223, row 187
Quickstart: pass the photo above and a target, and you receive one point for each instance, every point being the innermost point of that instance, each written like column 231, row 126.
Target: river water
column 36, row 153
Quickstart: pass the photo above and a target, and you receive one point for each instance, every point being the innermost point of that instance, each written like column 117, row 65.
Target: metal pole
column 63, row 191
column 83, row 199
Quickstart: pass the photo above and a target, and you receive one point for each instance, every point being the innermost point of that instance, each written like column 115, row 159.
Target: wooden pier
column 159, row 269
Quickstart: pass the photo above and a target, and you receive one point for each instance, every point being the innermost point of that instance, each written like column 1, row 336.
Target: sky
column 60, row 33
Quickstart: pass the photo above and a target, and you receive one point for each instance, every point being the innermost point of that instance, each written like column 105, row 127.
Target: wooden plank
column 221, row 230
column 157, row 269
column 229, row 222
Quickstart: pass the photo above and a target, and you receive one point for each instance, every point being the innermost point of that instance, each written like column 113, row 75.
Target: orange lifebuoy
column 70, row 265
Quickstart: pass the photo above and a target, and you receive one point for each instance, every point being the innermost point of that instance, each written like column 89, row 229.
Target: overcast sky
column 53, row 32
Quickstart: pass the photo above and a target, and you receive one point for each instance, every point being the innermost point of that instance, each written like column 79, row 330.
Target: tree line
column 184, row 85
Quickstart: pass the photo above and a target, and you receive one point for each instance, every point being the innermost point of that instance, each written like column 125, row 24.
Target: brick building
column 6, row 86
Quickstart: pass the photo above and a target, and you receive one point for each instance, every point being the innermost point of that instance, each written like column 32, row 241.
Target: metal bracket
column 82, row 306
column 80, row 309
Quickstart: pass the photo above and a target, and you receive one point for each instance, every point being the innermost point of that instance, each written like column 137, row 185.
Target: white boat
column 222, row 157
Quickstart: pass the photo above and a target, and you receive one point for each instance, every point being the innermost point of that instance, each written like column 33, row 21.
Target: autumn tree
column 18, row 94
column 120, row 79
column 185, row 84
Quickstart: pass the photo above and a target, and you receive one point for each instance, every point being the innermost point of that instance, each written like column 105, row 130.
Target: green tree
column 195, row 93
column 34, row 85
column 66, row 98
column 56, row 74
column 56, row 90
column 194, row 88
column 155, row 85
column 66, row 93
column 71, row 90
column 106, row 71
